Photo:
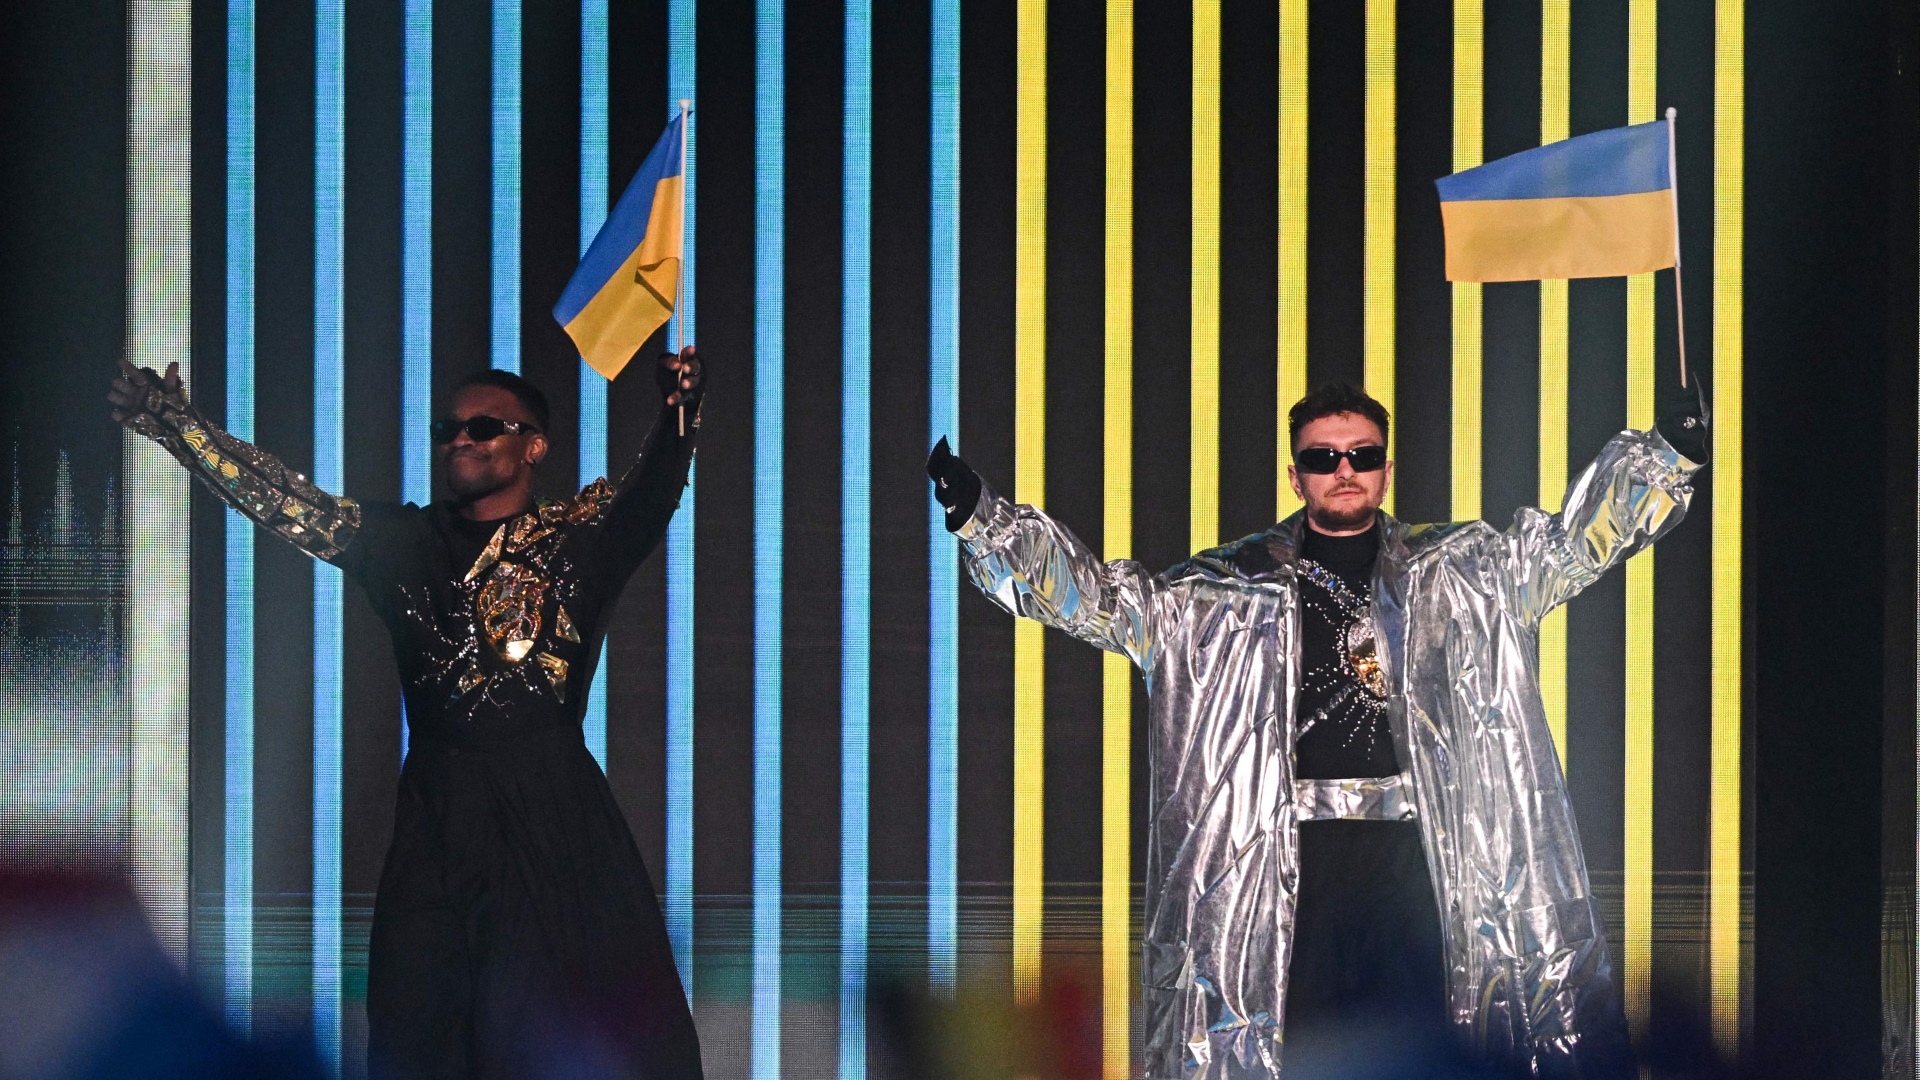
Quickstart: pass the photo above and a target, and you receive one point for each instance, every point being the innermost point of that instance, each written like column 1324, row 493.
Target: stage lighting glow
column 1725, row 925
column 506, row 185
column 416, row 265
column 1379, row 208
column 1292, row 298
column 856, row 526
column 1117, row 985
column 237, row 838
column 1637, row 965
column 1203, row 455
column 158, row 550
column 329, row 445
column 1469, row 128
column 769, row 521
column 1556, row 93
column 593, row 387
column 1029, row 481
column 943, row 564
column 681, row 69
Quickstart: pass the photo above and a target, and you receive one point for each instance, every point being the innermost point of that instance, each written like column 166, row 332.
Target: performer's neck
column 507, row 502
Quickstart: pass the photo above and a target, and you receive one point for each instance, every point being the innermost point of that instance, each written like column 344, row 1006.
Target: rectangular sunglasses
column 1321, row 460
column 478, row 428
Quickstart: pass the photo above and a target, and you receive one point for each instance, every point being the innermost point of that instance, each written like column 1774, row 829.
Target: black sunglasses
column 1321, row 460
column 479, row 428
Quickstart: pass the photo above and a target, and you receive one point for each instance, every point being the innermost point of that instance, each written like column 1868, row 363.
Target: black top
column 497, row 625
column 1342, row 709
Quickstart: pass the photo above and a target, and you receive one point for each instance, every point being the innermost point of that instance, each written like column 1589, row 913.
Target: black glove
column 668, row 380
column 1683, row 416
column 954, row 485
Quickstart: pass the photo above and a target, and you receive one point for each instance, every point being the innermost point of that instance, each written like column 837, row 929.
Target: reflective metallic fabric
column 1367, row 798
column 252, row 481
column 1457, row 608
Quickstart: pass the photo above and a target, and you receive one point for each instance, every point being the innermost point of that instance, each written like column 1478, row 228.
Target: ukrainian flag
column 1600, row 205
column 628, row 283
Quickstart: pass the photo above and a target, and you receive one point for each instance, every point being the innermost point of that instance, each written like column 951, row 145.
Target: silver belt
column 1369, row 798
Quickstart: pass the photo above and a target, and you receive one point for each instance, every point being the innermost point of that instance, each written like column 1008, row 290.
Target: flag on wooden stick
column 629, row 281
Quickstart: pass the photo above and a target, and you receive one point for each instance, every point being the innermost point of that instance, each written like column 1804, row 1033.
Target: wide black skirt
column 516, row 931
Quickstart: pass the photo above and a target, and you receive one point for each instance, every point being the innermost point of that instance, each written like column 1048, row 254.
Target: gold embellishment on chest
column 471, row 677
column 525, row 530
column 489, row 555
column 563, row 626
column 556, row 669
column 1364, row 658
column 509, row 608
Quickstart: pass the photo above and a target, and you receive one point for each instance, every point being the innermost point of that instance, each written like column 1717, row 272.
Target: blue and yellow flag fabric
column 629, row 281
column 1600, row 205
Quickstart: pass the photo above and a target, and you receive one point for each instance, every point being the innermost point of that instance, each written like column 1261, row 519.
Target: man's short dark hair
column 1332, row 399
column 527, row 394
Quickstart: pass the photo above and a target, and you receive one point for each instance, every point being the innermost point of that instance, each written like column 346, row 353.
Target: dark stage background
column 1824, row 980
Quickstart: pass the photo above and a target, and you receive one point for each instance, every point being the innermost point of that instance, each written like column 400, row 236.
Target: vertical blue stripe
column 416, row 264
column 943, row 577
column 506, row 184
column 416, row 256
column 681, row 57
column 856, row 528
column 237, row 924
column 769, row 432
column 329, row 400
column 593, row 387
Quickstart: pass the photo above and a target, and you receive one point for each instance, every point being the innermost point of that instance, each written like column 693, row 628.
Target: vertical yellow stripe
column 1469, row 85
column 1556, row 102
column 1292, row 300
column 1377, row 346
column 1029, row 481
column 1116, row 684
column 1203, row 477
column 1642, row 41
column 1729, row 374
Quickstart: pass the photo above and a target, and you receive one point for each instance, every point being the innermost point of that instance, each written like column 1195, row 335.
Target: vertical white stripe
column 157, row 538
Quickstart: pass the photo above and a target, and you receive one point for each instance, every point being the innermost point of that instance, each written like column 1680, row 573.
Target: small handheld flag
column 1599, row 205
column 629, row 281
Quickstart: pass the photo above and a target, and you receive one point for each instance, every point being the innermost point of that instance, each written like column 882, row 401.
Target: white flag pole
column 1673, row 181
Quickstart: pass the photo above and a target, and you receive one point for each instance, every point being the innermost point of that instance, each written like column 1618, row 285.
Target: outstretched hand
column 128, row 391
column 680, row 378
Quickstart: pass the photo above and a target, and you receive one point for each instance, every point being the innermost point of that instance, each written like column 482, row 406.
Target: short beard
column 1330, row 520
column 473, row 490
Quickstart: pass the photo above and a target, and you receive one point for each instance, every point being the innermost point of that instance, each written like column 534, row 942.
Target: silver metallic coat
column 1457, row 610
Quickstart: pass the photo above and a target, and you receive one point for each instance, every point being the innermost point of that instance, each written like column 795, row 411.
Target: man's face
column 1342, row 501
column 478, row 469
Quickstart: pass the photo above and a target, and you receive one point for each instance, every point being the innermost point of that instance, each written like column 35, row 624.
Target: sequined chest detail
column 1352, row 684
column 515, row 599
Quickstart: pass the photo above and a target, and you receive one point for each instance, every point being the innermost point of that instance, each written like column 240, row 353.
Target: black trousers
column 1367, row 983
column 516, row 931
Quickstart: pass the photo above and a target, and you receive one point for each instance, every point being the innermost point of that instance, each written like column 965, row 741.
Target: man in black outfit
column 516, row 929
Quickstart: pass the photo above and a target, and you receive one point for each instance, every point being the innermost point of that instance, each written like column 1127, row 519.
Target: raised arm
column 638, row 508
column 1033, row 566
column 249, row 479
column 1635, row 492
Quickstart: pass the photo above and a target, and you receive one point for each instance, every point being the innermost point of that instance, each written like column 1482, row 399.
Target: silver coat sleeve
column 1457, row 608
column 1032, row 566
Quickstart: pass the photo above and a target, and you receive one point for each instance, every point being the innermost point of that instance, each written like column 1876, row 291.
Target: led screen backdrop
column 1101, row 247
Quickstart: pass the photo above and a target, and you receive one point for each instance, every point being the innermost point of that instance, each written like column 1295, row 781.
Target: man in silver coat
column 1438, row 645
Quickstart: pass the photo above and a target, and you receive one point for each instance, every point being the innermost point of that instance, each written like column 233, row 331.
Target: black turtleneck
column 1341, row 713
